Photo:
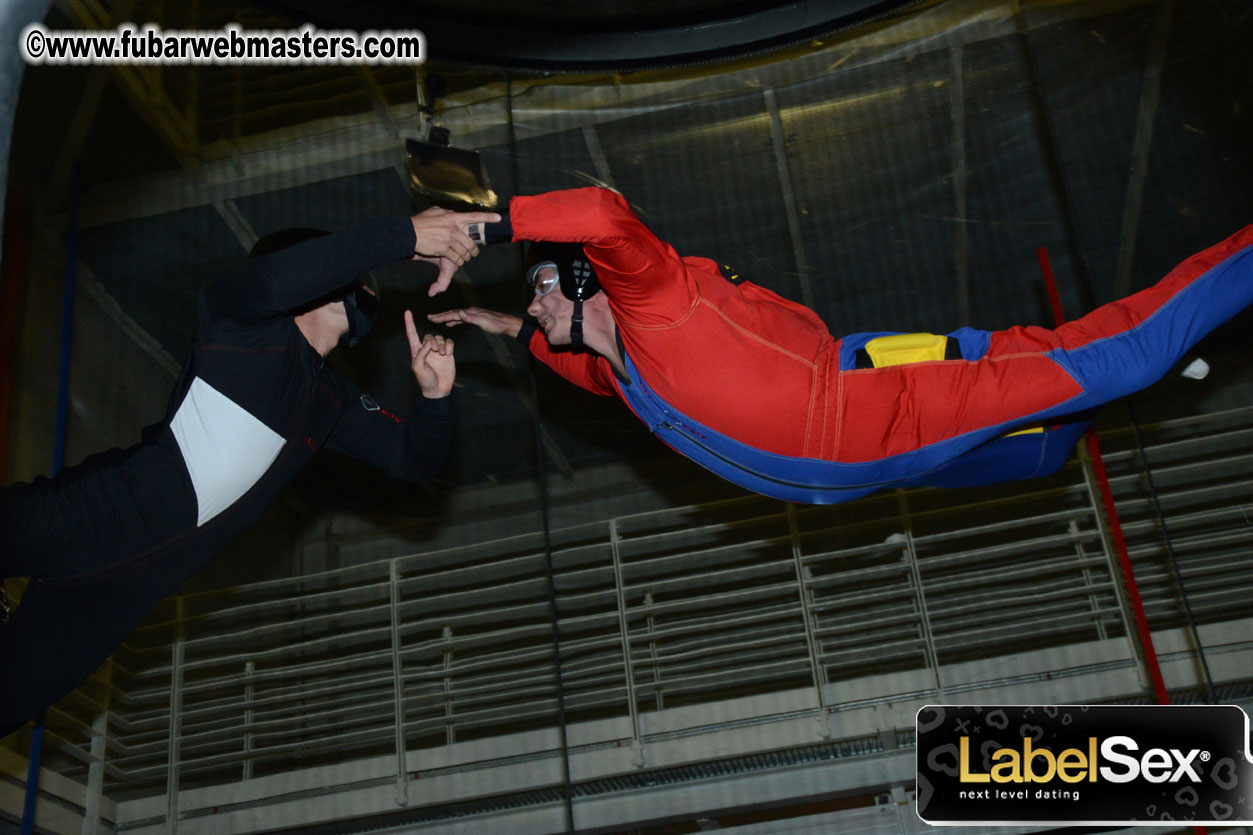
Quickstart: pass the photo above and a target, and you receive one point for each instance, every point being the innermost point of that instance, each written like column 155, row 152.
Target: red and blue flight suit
column 755, row 388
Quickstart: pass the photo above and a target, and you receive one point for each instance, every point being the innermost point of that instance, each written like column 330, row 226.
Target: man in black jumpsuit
column 105, row 541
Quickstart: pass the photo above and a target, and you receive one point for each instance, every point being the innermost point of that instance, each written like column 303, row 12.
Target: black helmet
column 575, row 276
column 360, row 300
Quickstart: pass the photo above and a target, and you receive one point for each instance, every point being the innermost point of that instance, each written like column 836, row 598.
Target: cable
column 567, row 789
column 1174, row 558
column 1151, row 662
column 1056, row 170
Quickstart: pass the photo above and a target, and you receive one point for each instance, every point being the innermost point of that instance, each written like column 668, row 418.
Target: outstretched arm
column 643, row 276
column 285, row 281
column 588, row 371
column 488, row 321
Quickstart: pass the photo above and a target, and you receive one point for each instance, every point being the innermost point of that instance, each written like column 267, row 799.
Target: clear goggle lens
column 544, row 278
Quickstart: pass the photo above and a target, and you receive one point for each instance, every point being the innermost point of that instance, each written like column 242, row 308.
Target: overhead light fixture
column 446, row 176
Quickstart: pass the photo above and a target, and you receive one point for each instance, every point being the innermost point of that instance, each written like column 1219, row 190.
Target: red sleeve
column 590, row 371
column 643, row 276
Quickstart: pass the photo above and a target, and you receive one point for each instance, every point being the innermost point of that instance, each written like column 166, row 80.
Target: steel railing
column 683, row 606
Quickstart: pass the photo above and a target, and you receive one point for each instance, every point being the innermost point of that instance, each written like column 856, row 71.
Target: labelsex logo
column 1040, row 765
column 1119, row 765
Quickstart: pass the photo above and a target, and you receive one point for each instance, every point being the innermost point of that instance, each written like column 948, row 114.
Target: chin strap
column 362, row 310
column 576, row 326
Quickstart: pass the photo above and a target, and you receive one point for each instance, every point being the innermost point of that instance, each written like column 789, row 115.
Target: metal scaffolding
column 682, row 629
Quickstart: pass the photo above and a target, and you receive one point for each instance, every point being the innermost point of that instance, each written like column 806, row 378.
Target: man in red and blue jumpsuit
column 755, row 388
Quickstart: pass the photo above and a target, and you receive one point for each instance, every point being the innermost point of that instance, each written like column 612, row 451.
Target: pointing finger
column 411, row 331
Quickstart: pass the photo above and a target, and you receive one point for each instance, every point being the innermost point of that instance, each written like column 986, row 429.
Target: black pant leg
column 60, row 634
column 48, row 526
column 114, row 506
column 33, row 529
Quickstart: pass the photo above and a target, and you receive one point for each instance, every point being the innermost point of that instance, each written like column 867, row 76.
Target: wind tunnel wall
column 896, row 177
column 903, row 178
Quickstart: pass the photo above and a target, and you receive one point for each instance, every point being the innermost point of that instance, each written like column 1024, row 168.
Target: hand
column 431, row 360
column 486, row 320
column 442, row 234
column 447, row 269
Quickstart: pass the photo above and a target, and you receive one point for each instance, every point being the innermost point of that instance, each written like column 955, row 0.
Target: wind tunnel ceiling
column 469, row 43
column 184, row 125
column 580, row 35
column 900, row 180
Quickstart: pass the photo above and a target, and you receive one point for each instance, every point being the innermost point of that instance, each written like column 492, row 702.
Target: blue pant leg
column 1122, row 363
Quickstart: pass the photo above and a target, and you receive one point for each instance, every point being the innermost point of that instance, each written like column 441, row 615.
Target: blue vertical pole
column 32, row 776
column 67, row 325
column 58, row 461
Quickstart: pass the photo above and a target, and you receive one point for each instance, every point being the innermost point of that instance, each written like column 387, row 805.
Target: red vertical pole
column 1111, row 512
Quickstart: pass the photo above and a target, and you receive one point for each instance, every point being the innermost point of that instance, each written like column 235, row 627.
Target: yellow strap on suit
column 902, row 348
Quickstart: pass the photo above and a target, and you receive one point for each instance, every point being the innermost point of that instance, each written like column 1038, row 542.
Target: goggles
column 547, row 283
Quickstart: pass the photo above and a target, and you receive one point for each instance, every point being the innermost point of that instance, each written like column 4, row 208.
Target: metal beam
column 143, row 89
column 239, row 225
column 378, row 101
column 176, row 702
column 398, row 683
column 1149, row 98
column 87, row 282
column 75, row 136
column 961, row 234
column 809, row 618
column 910, row 552
column 789, row 198
column 1107, row 550
column 84, row 115
column 624, row 631
column 599, row 161
column 267, row 170
column 95, row 771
